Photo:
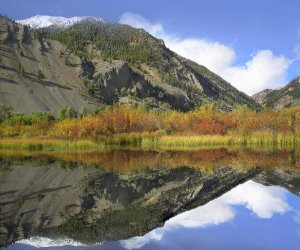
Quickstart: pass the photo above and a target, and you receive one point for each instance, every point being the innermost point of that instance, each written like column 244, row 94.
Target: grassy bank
column 148, row 141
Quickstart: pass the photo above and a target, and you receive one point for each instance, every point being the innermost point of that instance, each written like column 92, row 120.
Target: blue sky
column 254, row 44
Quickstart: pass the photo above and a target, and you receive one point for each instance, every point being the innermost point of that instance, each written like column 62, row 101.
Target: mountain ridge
column 287, row 96
column 93, row 62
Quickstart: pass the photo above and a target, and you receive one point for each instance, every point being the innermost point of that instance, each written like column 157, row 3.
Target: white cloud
column 139, row 21
column 213, row 55
column 263, row 70
column 263, row 201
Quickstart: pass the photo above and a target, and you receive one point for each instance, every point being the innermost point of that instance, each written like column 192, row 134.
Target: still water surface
column 129, row 199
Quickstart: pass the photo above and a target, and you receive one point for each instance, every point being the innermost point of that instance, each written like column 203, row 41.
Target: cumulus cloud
column 213, row 55
column 263, row 70
column 264, row 202
column 138, row 21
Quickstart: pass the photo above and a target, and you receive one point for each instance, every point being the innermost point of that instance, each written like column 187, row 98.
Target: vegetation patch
column 130, row 126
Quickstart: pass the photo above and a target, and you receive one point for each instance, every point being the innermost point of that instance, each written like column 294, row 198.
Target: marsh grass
column 42, row 144
column 152, row 141
column 199, row 141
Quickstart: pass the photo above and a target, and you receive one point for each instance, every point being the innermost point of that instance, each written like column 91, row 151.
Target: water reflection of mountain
column 96, row 197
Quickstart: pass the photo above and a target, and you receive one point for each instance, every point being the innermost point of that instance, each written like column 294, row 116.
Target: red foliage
column 208, row 126
column 227, row 122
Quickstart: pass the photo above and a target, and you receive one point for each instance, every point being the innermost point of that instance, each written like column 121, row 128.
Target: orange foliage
column 209, row 127
column 112, row 120
column 124, row 119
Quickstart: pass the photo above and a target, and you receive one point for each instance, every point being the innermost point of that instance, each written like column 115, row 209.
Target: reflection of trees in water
column 133, row 160
column 102, row 196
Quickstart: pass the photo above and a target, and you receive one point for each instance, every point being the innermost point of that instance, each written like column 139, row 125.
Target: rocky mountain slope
column 261, row 97
column 288, row 96
column 22, row 56
column 90, row 62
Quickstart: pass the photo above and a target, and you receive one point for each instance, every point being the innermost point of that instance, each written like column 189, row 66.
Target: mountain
column 22, row 56
column 261, row 97
column 88, row 62
column 288, row 96
column 46, row 21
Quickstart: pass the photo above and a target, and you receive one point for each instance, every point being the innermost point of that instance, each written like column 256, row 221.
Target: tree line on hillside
column 115, row 41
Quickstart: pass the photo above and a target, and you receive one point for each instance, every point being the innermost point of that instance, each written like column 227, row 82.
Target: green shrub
column 5, row 112
column 67, row 113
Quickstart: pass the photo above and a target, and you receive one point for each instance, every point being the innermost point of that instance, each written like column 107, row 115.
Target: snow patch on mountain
column 46, row 21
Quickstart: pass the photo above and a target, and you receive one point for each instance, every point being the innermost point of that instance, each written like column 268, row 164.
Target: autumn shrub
column 122, row 119
column 207, row 126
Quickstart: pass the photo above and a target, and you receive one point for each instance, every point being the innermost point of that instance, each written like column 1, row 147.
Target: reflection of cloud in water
column 263, row 201
column 140, row 241
column 213, row 213
column 40, row 242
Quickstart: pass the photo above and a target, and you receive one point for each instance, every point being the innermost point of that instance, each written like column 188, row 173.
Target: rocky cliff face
column 261, row 97
column 42, row 71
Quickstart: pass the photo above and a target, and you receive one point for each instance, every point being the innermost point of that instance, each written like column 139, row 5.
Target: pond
column 217, row 198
